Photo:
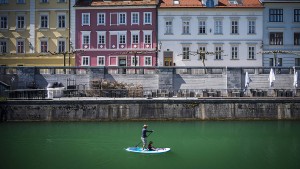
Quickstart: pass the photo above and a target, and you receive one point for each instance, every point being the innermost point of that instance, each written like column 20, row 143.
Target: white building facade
column 281, row 33
column 231, row 34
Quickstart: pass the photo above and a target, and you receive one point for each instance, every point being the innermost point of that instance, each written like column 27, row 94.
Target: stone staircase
column 260, row 81
column 211, row 81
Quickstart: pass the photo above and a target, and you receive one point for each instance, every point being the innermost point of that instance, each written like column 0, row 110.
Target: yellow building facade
column 35, row 33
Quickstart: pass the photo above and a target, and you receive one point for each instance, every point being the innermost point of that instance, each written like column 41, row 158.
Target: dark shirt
column 150, row 148
column 144, row 132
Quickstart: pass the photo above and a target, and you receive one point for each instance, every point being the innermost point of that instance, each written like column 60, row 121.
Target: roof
column 103, row 3
column 280, row 1
column 221, row 4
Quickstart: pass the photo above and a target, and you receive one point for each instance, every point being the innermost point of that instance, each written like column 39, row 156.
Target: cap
column 145, row 125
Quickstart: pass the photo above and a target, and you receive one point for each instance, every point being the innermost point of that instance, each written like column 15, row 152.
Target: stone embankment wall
column 143, row 109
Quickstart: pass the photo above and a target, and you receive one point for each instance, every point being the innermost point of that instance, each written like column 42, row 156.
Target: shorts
column 144, row 140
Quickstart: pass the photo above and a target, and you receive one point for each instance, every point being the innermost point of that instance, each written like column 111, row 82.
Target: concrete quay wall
column 150, row 109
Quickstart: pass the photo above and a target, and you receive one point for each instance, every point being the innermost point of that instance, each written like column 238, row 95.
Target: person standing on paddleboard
column 144, row 135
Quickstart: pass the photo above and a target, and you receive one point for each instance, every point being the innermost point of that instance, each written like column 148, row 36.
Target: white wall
column 288, row 27
column 174, row 42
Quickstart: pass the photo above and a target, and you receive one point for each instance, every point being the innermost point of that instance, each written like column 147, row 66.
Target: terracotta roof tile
column 198, row 4
column 95, row 3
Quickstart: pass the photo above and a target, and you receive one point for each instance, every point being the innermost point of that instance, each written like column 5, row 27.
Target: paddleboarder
column 144, row 135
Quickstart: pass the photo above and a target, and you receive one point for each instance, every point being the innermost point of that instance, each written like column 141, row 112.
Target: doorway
column 168, row 58
column 122, row 63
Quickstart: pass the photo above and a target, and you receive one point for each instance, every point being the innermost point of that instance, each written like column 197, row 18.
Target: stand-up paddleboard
column 140, row 150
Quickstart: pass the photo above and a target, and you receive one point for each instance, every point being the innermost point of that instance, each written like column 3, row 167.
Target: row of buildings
column 150, row 33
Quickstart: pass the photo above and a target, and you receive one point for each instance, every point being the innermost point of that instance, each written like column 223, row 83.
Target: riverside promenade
column 165, row 93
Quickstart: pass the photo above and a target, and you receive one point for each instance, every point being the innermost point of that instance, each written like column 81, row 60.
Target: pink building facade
column 116, row 33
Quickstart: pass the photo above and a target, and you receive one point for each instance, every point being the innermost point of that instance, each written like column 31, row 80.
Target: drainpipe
column 157, row 5
column 69, row 31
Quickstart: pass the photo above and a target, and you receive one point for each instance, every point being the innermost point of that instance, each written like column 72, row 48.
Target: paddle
column 141, row 141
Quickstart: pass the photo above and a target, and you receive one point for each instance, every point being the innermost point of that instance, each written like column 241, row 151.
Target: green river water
column 194, row 145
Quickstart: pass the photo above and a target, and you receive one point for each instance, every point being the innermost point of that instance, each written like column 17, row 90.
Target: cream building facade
column 35, row 33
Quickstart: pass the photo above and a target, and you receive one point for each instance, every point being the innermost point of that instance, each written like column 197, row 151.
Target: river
column 194, row 145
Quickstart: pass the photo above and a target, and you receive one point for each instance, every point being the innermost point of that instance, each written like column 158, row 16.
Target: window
column 169, row 27
column 297, row 38
column 147, row 18
column 122, row 39
column 44, row 1
column 251, row 52
column 44, row 46
column 251, row 27
column 276, row 38
column 234, row 52
column 134, row 18
column 20, row 46
column 101, row 19
column 271, row 62
column 122, row 18
column 85, row 37
column 20, row 1
column 61, row 46
column 3, row 47
column 61, row 21
column 186, row 27
column 218, row 52
column 86, row 40
column 148, row 61
column 218, row 27
column 185, row 52
column 3, row 22
column 296, row 15
column 85, row 19
column 44, row 21
column 3, row 1
column 135, row 39
column 276, row 15
column 297, row 61
column 279, row 62
column 133, row 62
column 85, row 61
column 234, row 27
column 202, row 27
column 202, row 50
column 101, row 39
column 100, row 60
column 147, row 39
column 20, row 22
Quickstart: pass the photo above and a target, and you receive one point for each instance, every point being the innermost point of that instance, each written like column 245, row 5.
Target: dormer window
column 233, row 2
